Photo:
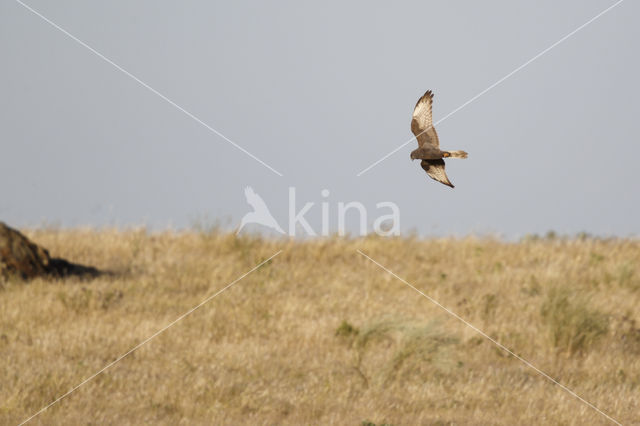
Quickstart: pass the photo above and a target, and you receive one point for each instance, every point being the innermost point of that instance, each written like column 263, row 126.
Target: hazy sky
column 319, row 91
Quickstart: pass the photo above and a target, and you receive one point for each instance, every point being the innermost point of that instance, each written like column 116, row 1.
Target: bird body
column 428, row 143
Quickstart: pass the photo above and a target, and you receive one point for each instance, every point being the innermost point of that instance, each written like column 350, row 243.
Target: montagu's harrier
column 428, row 144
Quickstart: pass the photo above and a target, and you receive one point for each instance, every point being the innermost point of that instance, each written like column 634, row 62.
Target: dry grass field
column 321, row 335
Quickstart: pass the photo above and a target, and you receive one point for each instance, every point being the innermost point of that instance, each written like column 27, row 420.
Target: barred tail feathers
column 458, row 154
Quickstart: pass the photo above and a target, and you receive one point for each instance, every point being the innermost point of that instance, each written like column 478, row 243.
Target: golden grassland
column 321, row 335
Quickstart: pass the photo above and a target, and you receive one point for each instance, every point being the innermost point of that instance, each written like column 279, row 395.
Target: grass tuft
column 574, row 326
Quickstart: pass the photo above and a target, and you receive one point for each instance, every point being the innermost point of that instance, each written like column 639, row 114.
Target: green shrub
column 346, row 330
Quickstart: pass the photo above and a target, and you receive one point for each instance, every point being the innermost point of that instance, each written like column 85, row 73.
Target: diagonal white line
column 142, row 83
column 501, row 346
column 493, row 85
column 152, row 336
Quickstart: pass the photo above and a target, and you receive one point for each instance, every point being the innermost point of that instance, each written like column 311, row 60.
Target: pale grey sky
column 319, row 91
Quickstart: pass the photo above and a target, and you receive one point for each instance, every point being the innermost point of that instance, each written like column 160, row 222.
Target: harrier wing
column 422, row 122
column 435, row 170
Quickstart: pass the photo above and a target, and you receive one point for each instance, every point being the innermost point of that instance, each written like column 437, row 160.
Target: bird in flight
column 428, row 144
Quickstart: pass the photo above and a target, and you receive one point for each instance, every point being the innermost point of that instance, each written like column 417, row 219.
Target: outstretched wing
column 422, row 122
column 435, row 169
column 255, row 200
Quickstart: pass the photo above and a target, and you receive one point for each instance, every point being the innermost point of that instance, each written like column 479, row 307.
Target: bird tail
column 458, row 154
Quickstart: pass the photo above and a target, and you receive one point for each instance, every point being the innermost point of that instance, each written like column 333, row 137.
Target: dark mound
column 19, row 257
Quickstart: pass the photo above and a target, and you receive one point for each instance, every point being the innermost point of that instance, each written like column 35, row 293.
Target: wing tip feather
column 428, row 96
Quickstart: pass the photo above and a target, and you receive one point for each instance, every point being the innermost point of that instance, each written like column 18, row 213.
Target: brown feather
column 435, row 170
column 422, row 123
